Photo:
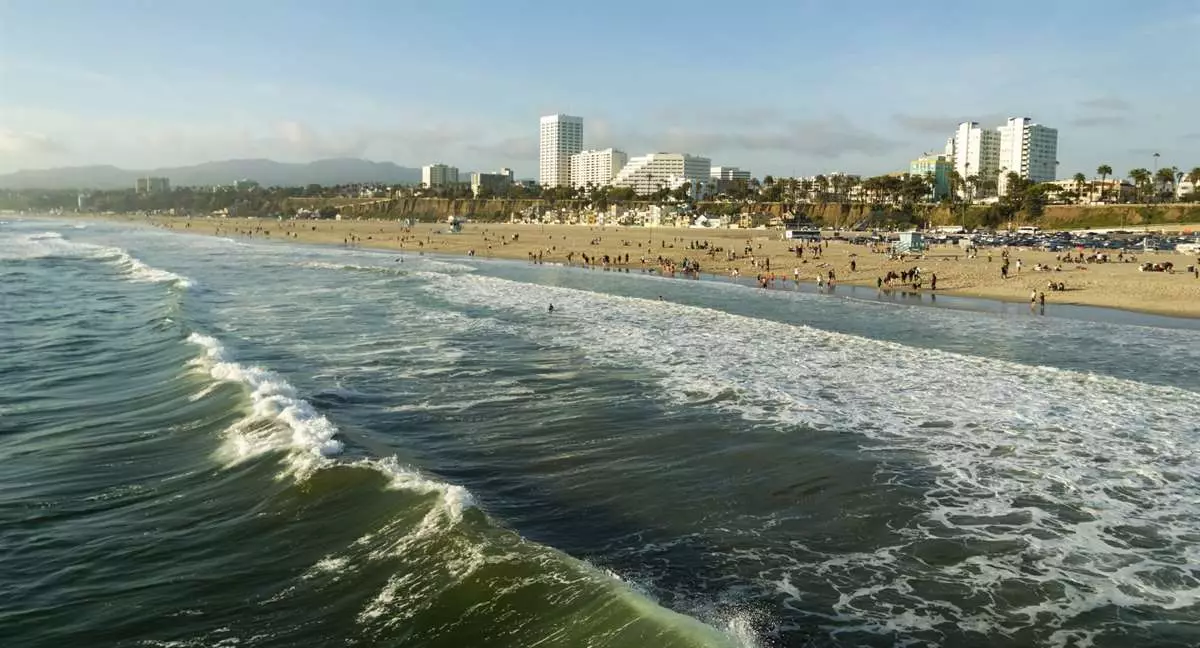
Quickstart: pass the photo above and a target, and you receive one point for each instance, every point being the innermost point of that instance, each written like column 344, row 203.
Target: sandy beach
column 748, row 252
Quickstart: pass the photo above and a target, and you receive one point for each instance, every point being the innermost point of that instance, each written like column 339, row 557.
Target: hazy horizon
column 782, row 88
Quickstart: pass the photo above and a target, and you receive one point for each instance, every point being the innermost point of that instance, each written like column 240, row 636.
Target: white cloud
column 13, row 143
column 944, row 124
column 1106, row 104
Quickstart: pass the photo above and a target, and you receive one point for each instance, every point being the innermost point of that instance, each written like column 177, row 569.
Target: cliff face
column 831, row 214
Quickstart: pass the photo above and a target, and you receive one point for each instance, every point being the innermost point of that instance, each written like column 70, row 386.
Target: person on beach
column 933, row 282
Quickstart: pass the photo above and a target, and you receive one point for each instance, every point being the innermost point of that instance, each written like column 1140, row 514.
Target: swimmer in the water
column 551, row 309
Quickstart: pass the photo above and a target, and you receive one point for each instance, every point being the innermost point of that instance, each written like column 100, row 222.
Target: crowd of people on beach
column 758, row 257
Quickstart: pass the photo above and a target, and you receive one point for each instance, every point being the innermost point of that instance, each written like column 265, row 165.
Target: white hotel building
column 1028, row 149
column 560, row 137
column 596, row 167
column 438, row 175
column 975, row 151
column 646, row 174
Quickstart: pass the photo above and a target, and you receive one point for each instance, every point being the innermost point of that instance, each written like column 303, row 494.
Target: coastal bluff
column 827, row 214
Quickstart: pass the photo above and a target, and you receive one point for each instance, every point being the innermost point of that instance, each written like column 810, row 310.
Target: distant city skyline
column 789, row 89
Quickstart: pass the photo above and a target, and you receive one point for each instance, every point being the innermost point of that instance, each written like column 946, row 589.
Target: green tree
column 1141, row 182
column 1104, row 171
column 682, row 193
column 1080, row 181
column 822, row 187
column 1164, row 177
column 1193, row 177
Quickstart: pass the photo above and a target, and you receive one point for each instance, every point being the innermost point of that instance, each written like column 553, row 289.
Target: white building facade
column 728, row 174
column 646, row 174
column 975, row 151
column 559, row 137
column 596, row 168
column 1028, row 149
column 438, row 175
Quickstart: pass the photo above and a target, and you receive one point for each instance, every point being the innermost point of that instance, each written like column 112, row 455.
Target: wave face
column 267, row 445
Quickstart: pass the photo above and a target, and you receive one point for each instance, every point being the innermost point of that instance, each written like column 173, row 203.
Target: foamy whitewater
column 222, row 442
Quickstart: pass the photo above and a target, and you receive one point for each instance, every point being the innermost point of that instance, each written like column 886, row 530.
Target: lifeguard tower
column 910, row 243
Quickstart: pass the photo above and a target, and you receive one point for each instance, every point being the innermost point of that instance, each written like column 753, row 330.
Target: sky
column 787, row 88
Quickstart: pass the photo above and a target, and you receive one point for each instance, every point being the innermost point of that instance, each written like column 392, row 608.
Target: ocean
column 237, row 443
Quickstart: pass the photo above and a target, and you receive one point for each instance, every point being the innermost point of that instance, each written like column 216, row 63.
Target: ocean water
column 219, row 442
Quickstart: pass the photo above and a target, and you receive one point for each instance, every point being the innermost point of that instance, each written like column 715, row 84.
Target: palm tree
column 806, row 188
column 1193, row 177
column 1141, row 178
column 1165, row 176
column 1104, row 171
column 1080, row 180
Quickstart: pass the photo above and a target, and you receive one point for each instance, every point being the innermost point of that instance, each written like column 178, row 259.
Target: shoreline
column 1113, row 285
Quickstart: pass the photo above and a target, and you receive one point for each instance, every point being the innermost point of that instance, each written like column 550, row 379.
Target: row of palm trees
column 1146, row 184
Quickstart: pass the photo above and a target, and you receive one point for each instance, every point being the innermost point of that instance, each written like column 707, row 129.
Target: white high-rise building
column 1028, row 149
column 646, row 174
column 560, row 137
column 976, row 152
column 596, row 167
column 438, row 175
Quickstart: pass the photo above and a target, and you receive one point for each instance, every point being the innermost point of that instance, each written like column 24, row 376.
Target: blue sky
column 782, row 88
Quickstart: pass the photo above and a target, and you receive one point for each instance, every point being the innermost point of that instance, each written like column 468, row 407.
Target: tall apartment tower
column 438, row 175
column 976, row 151
column 560, row 137
column 1028, row 149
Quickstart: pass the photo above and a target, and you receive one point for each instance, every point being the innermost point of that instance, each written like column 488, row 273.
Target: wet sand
column 1109, row 285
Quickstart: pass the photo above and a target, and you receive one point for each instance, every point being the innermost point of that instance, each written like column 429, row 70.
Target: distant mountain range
column 265, row 172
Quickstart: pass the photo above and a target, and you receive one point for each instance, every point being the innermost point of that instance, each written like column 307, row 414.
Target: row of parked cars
column 1109, row 240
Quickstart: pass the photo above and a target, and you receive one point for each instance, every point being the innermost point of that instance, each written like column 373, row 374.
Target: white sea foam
column 1091, row 480
column 309, row 434
column 282, row 421
column 53, row 245
column 325, row 265
column 455, row 499
column 409, row 263
column 136, row 270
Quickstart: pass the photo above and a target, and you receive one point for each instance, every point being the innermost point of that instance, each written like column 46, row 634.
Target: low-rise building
column 727, row 173
column 940, row 167
column 494, row 183
column 1093, row 191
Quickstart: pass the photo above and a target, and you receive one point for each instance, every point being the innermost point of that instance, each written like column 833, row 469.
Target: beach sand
column 1112, row 285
